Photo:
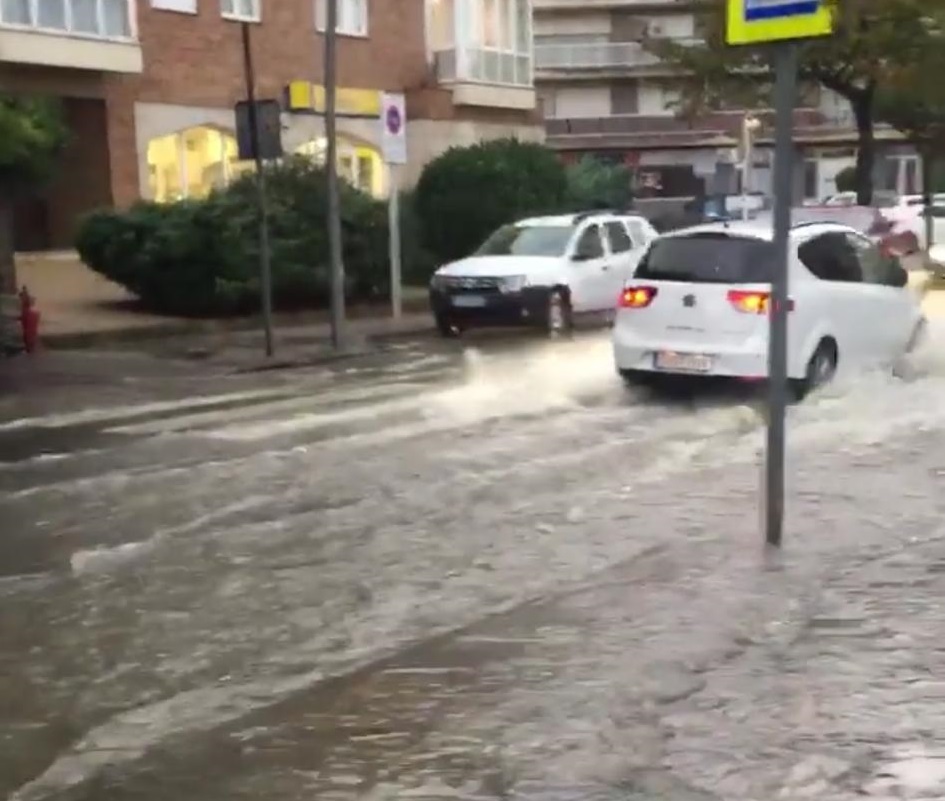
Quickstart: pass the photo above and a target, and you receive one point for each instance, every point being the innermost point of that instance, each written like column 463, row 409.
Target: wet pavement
column 491, row 574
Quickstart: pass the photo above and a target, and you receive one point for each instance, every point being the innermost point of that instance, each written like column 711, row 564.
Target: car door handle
column 605, row 266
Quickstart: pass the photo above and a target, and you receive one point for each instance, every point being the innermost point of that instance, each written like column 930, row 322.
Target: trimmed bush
column 846, row 180
column 468, row 192
column 201, row 257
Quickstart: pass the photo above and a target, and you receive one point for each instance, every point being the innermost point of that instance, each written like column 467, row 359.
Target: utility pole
column 265, row 265
column 331, row 171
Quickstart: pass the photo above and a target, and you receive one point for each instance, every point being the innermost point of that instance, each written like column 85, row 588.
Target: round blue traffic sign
column 394, row 121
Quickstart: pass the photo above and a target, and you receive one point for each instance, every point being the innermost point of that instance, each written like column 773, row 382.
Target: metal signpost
column 779, row 23
column 331, row 172
column 394, row 152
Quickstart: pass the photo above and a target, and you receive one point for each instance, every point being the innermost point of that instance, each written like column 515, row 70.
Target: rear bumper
column 529, row 307
column 634, row 353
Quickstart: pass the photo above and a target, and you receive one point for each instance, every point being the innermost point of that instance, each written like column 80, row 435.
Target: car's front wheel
column 447, row 328
column 558, row 316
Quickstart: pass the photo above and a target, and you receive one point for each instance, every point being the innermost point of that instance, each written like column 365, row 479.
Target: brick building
column 604, row 92
column 149, row 88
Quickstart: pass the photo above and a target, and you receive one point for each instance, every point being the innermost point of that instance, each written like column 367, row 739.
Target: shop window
column 191, row 163
column 359, row 165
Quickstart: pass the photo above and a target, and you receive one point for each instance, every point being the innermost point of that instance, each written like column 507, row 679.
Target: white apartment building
column 603, row 92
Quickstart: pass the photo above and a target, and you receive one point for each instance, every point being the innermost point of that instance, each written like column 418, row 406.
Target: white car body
column 509, row 287
column 710, row 327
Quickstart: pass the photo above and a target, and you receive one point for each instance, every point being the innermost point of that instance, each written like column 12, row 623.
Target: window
column 101, row 18
column 710, row 259
column 590, row 245
column 528, row 240
column 876, row 268
column 638, row 232
column 359, row 165
column 620, row 241
column 352, row 17
column 624, row 99
column 247, row 10
column 191, row 163
column 830, row 257
column 182, row 6
column 491, row 40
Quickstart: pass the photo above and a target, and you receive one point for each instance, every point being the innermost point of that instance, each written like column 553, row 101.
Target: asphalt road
column 436, row 572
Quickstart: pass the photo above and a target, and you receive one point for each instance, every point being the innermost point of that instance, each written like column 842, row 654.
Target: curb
column 197, row 328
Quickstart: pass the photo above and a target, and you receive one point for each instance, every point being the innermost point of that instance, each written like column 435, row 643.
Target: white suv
column 544, row 271
column 698, row 304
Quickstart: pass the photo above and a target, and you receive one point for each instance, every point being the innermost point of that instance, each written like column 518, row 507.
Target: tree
column 872, row 39
column 31, row 136
column 592, row 182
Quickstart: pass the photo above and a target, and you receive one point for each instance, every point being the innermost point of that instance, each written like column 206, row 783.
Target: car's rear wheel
column 820, row 369
column 558, row 316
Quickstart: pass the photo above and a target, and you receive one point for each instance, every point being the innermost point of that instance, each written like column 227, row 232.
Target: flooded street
column 480, row 574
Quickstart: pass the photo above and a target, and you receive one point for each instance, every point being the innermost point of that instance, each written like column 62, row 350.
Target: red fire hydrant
column 29, row 320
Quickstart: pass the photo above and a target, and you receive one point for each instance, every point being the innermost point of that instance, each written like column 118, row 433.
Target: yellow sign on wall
column 303, row 96
column 754, row 22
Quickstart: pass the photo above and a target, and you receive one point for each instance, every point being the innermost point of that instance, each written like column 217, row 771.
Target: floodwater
column 451, row 573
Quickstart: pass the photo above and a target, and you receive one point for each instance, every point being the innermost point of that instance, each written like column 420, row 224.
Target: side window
column 618, row 237
column 875, row 268
column 589, row 245
column 831, row 257
column 638, row 232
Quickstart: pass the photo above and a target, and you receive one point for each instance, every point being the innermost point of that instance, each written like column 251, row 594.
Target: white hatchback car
column 698, row 304
column 544, row 272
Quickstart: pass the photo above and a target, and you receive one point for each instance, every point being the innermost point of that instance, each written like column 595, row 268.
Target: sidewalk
column 80, row 309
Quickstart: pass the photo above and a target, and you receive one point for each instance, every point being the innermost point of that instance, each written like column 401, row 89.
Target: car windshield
column 527, row 240
column 711, row 258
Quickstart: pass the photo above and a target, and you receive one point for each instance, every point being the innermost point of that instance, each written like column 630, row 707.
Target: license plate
column 469, row 301
column 683, row 362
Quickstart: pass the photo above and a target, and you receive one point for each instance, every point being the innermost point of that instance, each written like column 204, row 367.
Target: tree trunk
column 866, row 147
column 9, row 336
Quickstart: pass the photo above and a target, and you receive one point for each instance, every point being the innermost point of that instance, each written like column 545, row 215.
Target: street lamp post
column 750, row 125
column 331, row 172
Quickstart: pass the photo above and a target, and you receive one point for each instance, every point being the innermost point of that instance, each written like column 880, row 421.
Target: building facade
column 149, row 87
column 603, row 92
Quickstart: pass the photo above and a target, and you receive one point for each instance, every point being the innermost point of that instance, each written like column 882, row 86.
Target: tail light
column 637, row 297
column 753, row 302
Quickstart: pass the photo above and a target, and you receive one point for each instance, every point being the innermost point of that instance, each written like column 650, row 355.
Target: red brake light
column 753, row 302
column 637, row 297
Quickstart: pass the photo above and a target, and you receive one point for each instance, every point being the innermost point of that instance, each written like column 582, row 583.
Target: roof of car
column 561, row 220
column 751, row 229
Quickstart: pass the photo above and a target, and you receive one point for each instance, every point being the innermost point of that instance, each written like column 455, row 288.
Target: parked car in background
column 544, row 272
column 698, row 304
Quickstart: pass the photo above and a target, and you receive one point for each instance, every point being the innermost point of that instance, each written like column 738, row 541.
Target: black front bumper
column 528, row 307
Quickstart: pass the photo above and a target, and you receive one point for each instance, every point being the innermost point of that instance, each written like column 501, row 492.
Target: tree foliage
column 873, row 40
column 593, row 183
column 31, row 135
column 467, row 192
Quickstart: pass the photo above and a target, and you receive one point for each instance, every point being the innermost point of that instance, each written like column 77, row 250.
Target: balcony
column 95, row 35
column 598, row 56
column 487, row 77
column 718, row 129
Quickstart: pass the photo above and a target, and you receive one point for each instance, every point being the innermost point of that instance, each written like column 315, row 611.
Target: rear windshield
column 708, row 258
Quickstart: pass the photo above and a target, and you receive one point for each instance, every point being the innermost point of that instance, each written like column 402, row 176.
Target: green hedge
column 200, row 257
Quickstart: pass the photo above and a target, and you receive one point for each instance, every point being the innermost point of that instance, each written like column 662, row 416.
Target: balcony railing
column 97, row 19
column 598, row 55
column 484, row 65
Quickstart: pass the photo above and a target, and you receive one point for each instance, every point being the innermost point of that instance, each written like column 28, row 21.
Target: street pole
column 331, row 171
column 265, row 264
column 785, row 88
column 747, row 147
column 393, row 222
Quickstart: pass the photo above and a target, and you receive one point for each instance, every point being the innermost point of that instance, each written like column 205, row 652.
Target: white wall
column 582, row 101
column 675, row 25
column 568, row 24
column 655, row 100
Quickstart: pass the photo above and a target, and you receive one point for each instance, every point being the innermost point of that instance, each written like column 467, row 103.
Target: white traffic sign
column 393, row 128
